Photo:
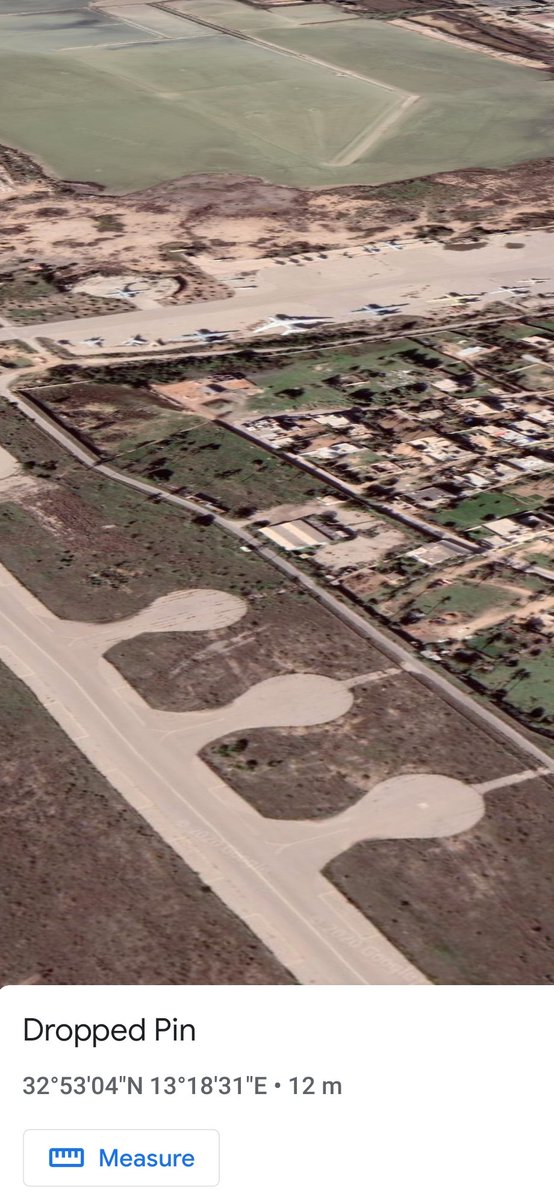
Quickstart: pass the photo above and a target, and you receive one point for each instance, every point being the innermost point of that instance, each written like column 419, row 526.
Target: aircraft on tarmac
column 273, row 325
column 284, row 324
column 210, row 335
column 302, row 320
column 137, row 340
column 125, row 293
column 92, row 341
column 381, row 310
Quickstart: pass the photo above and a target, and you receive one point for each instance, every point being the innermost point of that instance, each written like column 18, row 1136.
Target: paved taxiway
column 417, row 276
column 267, row 871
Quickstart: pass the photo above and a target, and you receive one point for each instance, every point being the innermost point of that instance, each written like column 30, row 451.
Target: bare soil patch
column 473, row 909
column 162, row 229
column 396, row 726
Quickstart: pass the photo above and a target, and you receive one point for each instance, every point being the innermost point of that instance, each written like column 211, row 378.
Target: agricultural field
column 301, row 386
column 467, row 599
column 245, row 18
column 110, row 417
column 343, row 100
column 537, row 377
column 540, row 554
column 181, row 452
column 471, row 598
column 222, row 466
column 322, row 374
column 529, row 686
column 58, row 31
column 513, row 663
column 486, row 506
column 378, row 373
column 24, row 7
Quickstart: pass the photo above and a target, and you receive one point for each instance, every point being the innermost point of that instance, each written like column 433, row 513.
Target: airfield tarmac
column 330, row 286
column 267, row 871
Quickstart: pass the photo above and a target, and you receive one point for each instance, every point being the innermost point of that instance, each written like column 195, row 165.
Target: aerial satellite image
column 277, row 492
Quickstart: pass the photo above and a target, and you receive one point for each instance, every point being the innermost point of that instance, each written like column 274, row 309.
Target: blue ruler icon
column 66, row 1156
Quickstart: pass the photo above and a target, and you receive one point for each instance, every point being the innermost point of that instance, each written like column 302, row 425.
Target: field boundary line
column 373, row 133
column 289, row 52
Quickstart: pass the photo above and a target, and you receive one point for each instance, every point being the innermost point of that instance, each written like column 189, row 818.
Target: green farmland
column 524, row 680
column 223, row 466
column 310, row 382
column 486, row 506
column 466, row 598
column 306, row 98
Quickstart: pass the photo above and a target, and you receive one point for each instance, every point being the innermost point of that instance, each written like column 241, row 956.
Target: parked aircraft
column 209, row 335
column 137, row 340
column 380, row 310
column 274, row 325
column 302, row 320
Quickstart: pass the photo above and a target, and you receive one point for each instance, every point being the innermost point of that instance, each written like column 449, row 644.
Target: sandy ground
column 359, row 550
column 16, row 484
column 143, row 292
column 228, row 216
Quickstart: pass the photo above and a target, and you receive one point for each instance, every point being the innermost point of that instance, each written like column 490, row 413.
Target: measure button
column 66, row 1156
column 121, row 1157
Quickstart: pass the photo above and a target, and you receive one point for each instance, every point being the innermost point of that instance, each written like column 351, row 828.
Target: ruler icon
column 66, row 1156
